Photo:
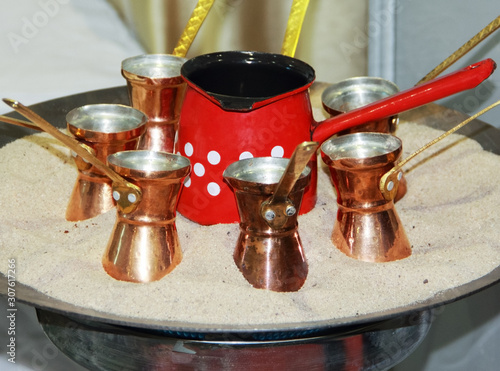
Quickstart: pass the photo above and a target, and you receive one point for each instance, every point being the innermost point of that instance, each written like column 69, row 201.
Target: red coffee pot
column 251, row 104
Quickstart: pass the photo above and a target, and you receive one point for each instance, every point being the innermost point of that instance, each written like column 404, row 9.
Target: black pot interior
column 239, row 79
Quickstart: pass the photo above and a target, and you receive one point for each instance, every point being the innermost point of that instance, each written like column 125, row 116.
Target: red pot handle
column 438, row 88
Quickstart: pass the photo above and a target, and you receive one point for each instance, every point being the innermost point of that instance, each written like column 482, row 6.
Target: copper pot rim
column 86, row 128
column 332, row 156
column 353, row 86
column 132, row 68
column 162, row 165
column 240, row 172
column 154, row 83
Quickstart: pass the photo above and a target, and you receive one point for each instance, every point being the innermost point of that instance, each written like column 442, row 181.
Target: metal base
column 99, row 346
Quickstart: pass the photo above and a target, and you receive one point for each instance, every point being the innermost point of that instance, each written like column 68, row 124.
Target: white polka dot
column 213, row 157
column 199, row 169
column 277, row 151
column 213, row 188
column 131, row 198
column 116, row 195
column 188, row 149
column 245, row 155
column 187, row 182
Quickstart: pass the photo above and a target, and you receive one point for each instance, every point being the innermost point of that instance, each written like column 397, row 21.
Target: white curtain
column 334, row 36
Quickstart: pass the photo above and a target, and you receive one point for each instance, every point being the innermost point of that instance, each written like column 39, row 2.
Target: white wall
column 426, row 32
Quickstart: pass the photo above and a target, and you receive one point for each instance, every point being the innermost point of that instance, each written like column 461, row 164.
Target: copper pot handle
column 388, row 184
column 278, row 208
column 22, row 123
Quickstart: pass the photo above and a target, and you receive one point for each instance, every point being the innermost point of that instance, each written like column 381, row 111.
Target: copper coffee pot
column 156, row 88
column 128, row 195
column 367, row 227
column 101, row 129
column 268, row 193
column 106, row 129
column 144, row 246
column 357, row 92
column 366, row 173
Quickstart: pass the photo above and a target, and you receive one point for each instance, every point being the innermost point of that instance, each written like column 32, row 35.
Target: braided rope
column 199, row 14
column 293, row 27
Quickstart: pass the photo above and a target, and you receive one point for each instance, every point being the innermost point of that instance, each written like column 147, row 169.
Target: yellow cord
column 293, row 27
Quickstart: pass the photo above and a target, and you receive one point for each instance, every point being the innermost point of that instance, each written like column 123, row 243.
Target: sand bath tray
column 450, row 218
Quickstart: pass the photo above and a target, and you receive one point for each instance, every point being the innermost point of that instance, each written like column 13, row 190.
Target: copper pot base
column 355, row 234
column 142, row 253
column 272, row 262
column 91, row 196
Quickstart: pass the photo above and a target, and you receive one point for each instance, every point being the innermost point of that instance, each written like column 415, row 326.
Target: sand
column 450, row 214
